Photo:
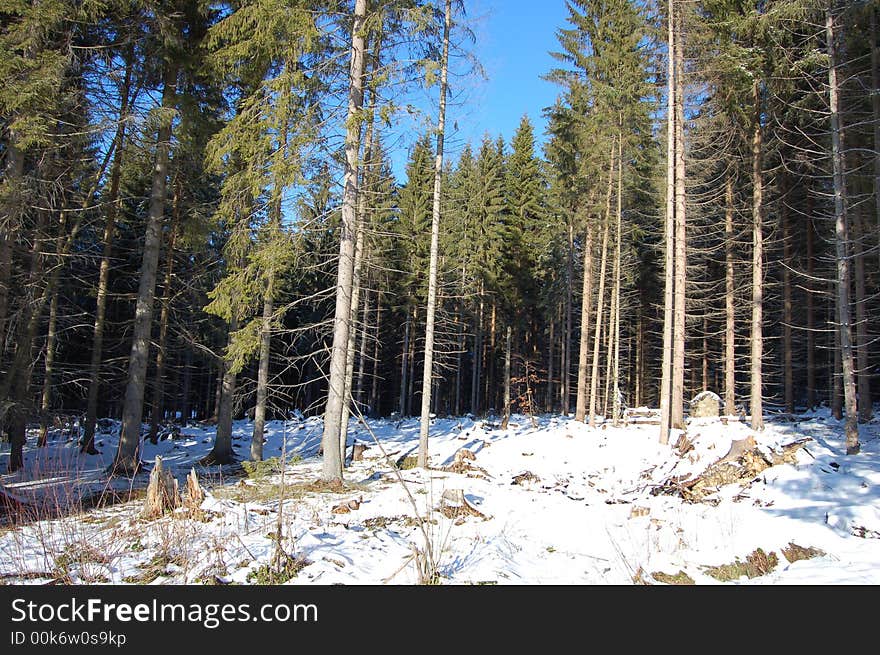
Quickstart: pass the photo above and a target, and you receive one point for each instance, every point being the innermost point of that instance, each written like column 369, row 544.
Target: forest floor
column 557, row 502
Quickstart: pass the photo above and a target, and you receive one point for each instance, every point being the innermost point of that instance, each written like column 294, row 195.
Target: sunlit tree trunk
column 332, row 458
column 127, row 458
column 428, row 371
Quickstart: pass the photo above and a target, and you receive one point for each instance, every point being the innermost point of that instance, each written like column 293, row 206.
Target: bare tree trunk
column 459, row 320
column 640, row 345
column 478, row 347
column 810, row 302
column 428, row 370
column 565, row 369
column 374, row 383
column 586, row 305
column 841, row 242
column 263, row 367
column 222, row 453
column 603, row 262
column 787, row 373
column 552, row 343
column 863, row 372
column 46, row 400
column 678, row 338
column 88, row 440
column 669, row 232
column 159, row 388
column 615, row 405
column 362, row 349
column 332, row 465
column 127, row 459
column 506, row 412
column 17, row 380
column 404, row 367
column 185, row 407
column 875, row 107
column 9, row 226
column 757, row 336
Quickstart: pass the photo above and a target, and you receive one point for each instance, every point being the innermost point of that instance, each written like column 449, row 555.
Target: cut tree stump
column 162, row 495
column 454, row 504
column 357, row 452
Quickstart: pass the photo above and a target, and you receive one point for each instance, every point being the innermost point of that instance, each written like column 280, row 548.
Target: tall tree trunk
column 332, row 465
column 875, row 107
column 222, row 453
column 362, row 349
column 863, row 373
column 552, row 342
column 9, row 226
column 640, row 355
column 88, row 439
column 841, row 242
column 257, row 435
column 565, row 368
column 374, row 383
column 810, row 303
column 787, row 373
column 46, row 399
column 678, row 338
column 615, row 404
column 161, row 351
column 757, row 335
column 475, row 369
column 428, row 370
column 17, row 380
column 729, row 301
column 404, row 365
column 127, row 460
column 185, row 406
column 506, row 412
column 669, row 235
column 580, row 411
column 600, row 302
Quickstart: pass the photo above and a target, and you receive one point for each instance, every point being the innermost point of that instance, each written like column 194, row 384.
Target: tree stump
column 705, row 405
column 162, row 495
column 357, row 452
column 193, row 494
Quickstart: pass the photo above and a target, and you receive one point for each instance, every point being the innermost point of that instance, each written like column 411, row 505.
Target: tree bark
column 580, row 411
column 428, row 369
column 615, row 404
column 506, row 412
column 162, row 346
column 127, row 460
column 88, row 440
column 787, row 373
column 810, row 303
column 863, row 372
column 603, row 262
column 565, row 368
column 841, row 242
column 757, row 334
column 332, row 464
column 222, row 452
column 669, row 235
column 678, row 337
column 46, row 400
column 875, row 110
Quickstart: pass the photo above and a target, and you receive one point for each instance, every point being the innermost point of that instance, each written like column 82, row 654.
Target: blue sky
column 513, row 42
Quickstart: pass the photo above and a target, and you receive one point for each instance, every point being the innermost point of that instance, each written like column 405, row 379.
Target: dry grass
column 793, row 552
column 680, row 578
column 757, row 563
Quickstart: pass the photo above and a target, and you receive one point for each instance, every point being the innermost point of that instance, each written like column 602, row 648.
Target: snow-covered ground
column 560, row 503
